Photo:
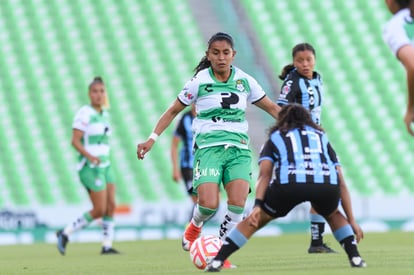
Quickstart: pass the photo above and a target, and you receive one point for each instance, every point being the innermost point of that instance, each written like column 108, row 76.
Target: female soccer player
column 303, row 85
column 297, row 164
column 184, row 133
column 398, row 33
column 91, row 129
column 220, row 92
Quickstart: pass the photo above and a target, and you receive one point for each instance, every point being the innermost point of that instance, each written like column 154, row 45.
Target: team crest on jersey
column 240, row 86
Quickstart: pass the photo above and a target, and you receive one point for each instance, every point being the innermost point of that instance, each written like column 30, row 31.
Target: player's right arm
column 79, row 127
column 77, row 136
column 165, row 120
column 289, row 90
column 186, row 97
column 406, row 55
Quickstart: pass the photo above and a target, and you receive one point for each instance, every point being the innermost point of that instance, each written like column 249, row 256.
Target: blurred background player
column 398, row 34
column 220, row 92
column 314, row 176
column 303, row 85
column 183, row 134
column 90, row 137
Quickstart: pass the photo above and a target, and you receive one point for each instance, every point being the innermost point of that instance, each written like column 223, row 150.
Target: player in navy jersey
column 184, row 134
column 303, row 85
column 398, row 33
column 297, row 164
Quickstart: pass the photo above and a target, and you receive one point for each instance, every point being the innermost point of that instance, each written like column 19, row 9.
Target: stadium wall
column 143, row 221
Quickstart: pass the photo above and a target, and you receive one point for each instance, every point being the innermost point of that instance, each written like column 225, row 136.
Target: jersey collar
column 231, row 76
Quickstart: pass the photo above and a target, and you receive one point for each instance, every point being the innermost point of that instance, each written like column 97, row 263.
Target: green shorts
column 221, row 164
column 95, row 179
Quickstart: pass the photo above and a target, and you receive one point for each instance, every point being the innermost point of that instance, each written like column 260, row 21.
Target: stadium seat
column 52, row 53
column 146, row 51
column 362, row 109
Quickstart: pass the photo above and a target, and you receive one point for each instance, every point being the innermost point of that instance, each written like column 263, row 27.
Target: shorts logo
column 197, row 170
column 98, row 182
column 198, row 173
column 212, row 172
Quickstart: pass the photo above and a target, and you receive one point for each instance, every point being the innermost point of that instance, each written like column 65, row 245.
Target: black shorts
column 281, row 198
column 187, row 174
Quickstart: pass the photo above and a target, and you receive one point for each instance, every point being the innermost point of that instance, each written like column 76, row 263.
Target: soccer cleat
column 191, row 233
column 227, row 264
column 62, row 240
column 321, row 249
column 109, row 251
column 214, row 266
column 357, row 262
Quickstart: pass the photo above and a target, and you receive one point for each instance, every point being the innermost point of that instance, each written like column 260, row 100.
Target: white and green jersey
column 399, row 31
column 220, row 107
column 96, row 130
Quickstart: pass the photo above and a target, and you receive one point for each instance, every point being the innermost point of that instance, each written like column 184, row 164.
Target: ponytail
column 203, row 64
column 286, row 70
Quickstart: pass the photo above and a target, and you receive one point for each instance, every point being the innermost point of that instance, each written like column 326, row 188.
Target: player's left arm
column 175, row 141
column 406, row 55
column 347, row 205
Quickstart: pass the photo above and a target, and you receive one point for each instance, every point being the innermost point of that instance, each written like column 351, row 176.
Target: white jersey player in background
column 90, row 138
column 398, row 33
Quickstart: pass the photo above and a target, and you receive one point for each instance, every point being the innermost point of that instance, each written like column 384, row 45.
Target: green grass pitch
column 385, row 253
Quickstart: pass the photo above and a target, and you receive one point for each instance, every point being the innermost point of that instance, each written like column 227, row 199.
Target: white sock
column 76, row 225
column 199, row 218
column 108, row 233
column 231, row 219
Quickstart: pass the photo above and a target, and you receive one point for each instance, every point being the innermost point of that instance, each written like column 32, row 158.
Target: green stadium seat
column 145, row 51
column 52, row 51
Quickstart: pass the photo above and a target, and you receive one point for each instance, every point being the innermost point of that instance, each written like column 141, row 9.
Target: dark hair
column 293, row 116
column 96, row 79
column 403, row 3
column 220, row 36
column 298, row 48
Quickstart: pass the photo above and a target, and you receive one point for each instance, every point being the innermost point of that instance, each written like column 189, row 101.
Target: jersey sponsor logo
column 311, row 97
column 188, row 95
column 208, row 88
column 287, row 87
column 216, row 119
column 228, row 99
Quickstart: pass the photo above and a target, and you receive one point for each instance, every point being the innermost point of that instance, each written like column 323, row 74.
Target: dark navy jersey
column 306, row 92
column 184, row 131
column 301, row 156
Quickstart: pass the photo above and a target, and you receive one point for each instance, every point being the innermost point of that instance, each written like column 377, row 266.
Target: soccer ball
column 203, row 250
